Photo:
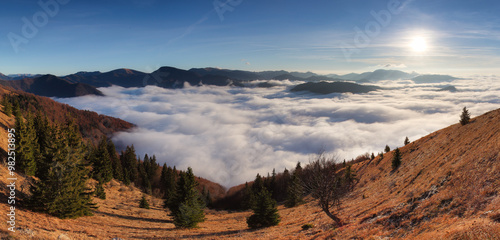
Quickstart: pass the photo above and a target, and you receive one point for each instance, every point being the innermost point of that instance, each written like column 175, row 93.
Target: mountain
column 17, row 76
column 433, row 78
column 380, row 74
column 251, row 76
column 92, row 125
column 52, row 86
column 333, row 87
column 232, row 74
column 170, row 77
column 121, row 77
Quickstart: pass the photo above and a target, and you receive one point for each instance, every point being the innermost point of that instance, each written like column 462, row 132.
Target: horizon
column 62, row 37
column 256, row 71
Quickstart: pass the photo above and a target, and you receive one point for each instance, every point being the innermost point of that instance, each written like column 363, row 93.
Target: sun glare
column 419, row 44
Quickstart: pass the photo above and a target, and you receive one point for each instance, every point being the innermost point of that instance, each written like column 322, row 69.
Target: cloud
column 229, row 134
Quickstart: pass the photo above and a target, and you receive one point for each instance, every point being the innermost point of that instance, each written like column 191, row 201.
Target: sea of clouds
column 229, row 134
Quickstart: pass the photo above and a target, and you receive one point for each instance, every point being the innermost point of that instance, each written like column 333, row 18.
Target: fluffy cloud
column 230, row 134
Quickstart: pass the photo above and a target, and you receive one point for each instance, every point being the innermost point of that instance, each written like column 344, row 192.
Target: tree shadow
column 134, row 218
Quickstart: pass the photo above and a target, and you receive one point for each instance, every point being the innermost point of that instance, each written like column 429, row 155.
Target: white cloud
column 230, row 134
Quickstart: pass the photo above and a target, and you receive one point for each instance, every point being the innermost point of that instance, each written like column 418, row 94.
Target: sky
column 229, row 134
column 335, row 36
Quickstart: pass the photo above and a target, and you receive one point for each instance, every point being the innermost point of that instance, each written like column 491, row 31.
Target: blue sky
column 335, row 36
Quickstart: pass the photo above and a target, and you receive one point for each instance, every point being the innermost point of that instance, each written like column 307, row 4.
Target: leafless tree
column 328, row 183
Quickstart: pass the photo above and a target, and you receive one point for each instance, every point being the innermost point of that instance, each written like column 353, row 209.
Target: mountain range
column 86, row 83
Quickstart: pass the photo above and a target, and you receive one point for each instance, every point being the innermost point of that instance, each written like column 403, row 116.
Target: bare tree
column 328, row 184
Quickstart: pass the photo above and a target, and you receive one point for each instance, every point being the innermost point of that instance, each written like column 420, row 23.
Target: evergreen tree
column 349, row 177
column 102, row 168
column 407, row 141
column 99, row 191
column 265, row 211
column 129, row 164
column 164, row 178
column 28, row 148
column 372, row 156
column 387, row 148
column 298, row 170
column 247, row 203
column 7, row 105
column 187, row 206
column 116, row 164
column 144, row 203
column 144, row 178
column 396, row 159
column 465, row 116
column 153, row 169
column 295, row 192
column 61, row 188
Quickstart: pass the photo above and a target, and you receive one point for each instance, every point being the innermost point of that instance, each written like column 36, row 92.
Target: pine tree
column 187, row 206
column 164, row 178
column 265, row 211
column 153, row 169
column 28, row 148
column 102, row 169
column 372, row 156
column 247, row 203
column 61, row 187
column 144, row 203
column 295, row 192
column 7, row 105
column 407, row 141
column 99, row 191
column 129, row 164
column 396, row 159
column 387, row 148
column 143, row 176
column 116, row 164
column 465, row 116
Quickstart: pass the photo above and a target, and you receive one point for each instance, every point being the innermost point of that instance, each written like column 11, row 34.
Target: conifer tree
column 294, row 192
column 99, row 191
column 396, row 159
column 7, row 105
column 372, row 156
column 152, row 171
column 102, row 169
column 144, row 178
column 129, row 164
column 465, row 116
column 28, row 148
column 265, row 211
column 115, row 161
column 61, row 188
column 387, row 148
column 247, row 203
column 187, row 206
column 144, row 203
column 407, row 141
column 164, row 178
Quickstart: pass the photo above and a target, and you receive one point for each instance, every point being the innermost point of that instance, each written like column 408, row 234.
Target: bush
column 307, row 226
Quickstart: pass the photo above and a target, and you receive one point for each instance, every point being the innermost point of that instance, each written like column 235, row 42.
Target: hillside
column 447, row 187
column 92, row 125
column 333, row 87
column 52, row 86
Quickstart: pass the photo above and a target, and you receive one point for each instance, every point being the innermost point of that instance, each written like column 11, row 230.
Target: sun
column 418, row 44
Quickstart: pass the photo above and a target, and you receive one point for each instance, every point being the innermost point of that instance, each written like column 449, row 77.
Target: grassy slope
column 447, row 187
